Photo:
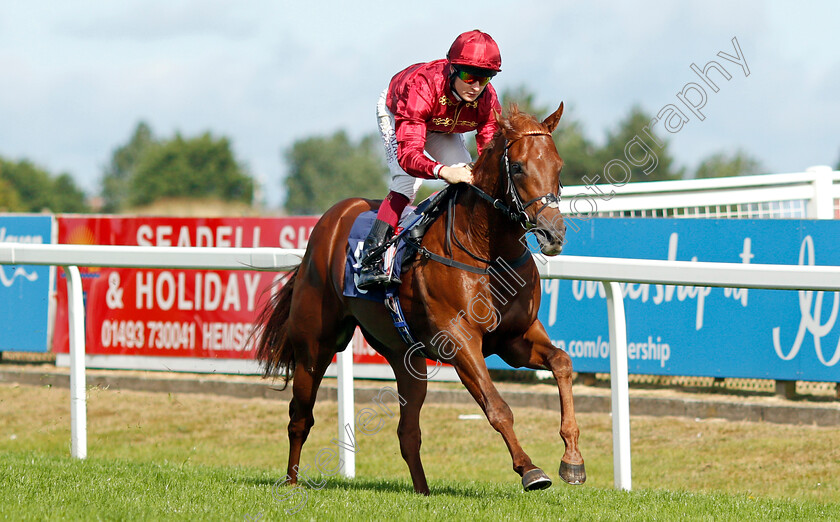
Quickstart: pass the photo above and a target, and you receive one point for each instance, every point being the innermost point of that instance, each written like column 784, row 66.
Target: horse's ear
column 504, row 123
column 553, row 119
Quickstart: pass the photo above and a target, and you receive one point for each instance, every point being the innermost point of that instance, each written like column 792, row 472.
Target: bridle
column 518, row 213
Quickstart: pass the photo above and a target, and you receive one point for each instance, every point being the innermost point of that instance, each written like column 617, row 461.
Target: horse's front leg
column 534, row 350
column 472, row 370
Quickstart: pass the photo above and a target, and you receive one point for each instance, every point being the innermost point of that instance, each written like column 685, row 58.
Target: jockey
column 423, row 115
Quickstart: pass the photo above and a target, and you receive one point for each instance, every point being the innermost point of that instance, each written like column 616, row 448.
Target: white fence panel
column 607, row 270
column 811, row 194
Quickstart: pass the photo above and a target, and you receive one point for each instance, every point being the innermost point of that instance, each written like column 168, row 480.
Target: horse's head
column 530, row 168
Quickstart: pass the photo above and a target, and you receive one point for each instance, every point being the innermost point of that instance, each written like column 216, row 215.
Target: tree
column 67, row 197
column 32, row 184
column 647, row 152
column 722, row 165
column 524, row 99
column 29, row 188
column 9, row 197
column 195, row 168
column 580, row 155
column 325, row 170
column 578, row 152
column 116, row 181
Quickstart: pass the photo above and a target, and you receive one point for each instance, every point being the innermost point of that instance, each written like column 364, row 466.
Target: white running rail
column 813, row 194
column 607, row 270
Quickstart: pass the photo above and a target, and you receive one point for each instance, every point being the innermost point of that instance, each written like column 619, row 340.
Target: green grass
column 193, row 457
column 38, row 487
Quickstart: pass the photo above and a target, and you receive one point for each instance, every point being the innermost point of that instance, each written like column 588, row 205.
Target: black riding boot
column 373, row 266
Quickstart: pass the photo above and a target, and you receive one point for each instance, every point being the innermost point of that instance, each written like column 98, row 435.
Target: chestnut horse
column 457, row 313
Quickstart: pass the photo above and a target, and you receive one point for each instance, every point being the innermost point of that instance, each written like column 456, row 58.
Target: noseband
column 518, row 213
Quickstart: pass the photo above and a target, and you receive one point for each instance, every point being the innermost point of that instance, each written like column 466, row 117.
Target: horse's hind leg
column 534, row 350
column 314, row 352
column 305, row 388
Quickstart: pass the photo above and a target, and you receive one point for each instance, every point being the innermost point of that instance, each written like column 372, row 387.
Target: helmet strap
column 453, row 73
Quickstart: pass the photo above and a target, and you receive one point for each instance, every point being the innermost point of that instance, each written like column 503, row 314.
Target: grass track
column 37, row 487
column 192, row 457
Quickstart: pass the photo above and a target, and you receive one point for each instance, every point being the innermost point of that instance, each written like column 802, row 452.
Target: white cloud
column 78, row 77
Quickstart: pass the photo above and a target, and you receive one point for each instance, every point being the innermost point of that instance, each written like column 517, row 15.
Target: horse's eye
column 515, row 168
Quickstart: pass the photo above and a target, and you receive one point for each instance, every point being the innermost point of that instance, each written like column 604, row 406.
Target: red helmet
column 475, row 49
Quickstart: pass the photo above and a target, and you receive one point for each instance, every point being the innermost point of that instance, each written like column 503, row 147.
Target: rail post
column 619, row 385
column 821, row 204
column 78, row 406
column 346, row 409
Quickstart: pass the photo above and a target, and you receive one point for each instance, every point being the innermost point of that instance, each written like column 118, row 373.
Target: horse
column 461, row 304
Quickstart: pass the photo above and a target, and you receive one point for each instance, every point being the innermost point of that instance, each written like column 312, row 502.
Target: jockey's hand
column 456, row 174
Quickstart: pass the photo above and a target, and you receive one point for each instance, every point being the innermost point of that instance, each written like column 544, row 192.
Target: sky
column 79, row 76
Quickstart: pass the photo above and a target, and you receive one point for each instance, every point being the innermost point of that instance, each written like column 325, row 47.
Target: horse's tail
column 274, row 351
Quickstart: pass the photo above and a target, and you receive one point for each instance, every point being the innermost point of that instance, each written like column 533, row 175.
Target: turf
column 199, row 457
column 38, row 487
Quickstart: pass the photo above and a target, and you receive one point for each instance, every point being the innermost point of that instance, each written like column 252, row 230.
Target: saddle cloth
column 355, row 244
column 415, row 219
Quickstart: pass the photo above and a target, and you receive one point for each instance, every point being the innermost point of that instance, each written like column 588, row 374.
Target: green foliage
column 197, row 168
column 147, row 169
column 9, row 197
column 67, row 196
column 580, row 155
column 578, row 152
column 29, row 188
column 325, row 170
column 116, row 182
column 584, row 159
column 722, row 165
column 628, row 130
column 320, row 165
column 524, row 99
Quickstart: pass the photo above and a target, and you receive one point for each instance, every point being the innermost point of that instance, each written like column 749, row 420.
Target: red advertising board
column 172, row 312
column 180, row 313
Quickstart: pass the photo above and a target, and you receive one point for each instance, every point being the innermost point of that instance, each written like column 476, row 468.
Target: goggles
column 470, row 78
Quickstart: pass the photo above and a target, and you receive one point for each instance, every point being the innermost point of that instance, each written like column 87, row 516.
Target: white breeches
column 448, row 149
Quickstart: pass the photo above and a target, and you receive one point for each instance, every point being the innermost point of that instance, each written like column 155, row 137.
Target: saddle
column 417, row 223
column 400, row 250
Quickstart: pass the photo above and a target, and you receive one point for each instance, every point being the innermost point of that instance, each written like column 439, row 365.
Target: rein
column 517, row 214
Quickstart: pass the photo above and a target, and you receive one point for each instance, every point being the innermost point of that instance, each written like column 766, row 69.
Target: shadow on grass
column 468, row 490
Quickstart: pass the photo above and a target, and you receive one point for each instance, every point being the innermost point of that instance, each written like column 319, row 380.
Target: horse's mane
column 520, row 123
column 516, row 125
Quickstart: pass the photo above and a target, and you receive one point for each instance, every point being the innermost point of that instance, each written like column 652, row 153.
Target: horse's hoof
column 574, row 474
column 535, row 479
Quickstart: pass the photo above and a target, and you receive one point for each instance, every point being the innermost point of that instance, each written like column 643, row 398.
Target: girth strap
column 425, row 252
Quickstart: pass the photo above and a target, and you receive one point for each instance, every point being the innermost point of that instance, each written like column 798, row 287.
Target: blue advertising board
column 25, row 290
column 702, row 331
